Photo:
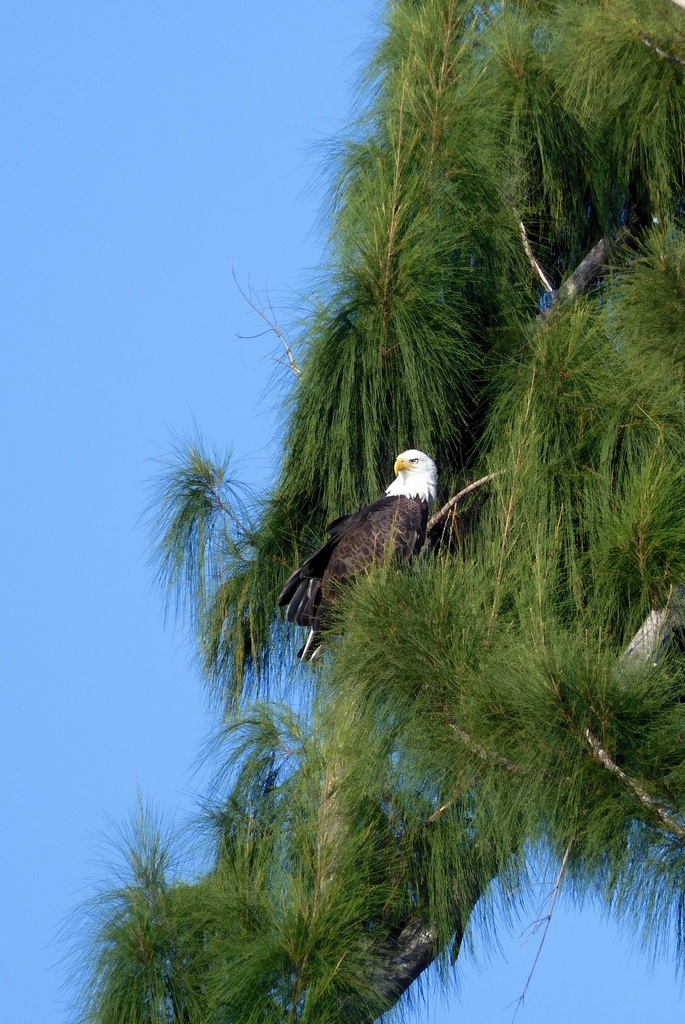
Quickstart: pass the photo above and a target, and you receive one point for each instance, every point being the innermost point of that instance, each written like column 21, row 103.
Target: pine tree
column 505, row 291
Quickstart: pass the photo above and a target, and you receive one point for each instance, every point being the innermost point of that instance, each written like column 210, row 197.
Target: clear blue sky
column 146, row 149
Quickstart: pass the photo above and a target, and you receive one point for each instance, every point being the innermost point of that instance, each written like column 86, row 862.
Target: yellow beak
column 401, row 464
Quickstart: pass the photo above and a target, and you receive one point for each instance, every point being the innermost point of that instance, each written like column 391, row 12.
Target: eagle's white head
column 416, row 477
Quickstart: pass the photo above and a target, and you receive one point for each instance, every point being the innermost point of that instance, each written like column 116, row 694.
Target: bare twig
column 662, row 812
column 547, row 920
column 435, row 519
column 251, row 299
column 663, row 53
column 533, row 262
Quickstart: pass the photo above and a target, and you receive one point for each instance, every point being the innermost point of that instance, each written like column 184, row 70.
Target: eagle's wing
column 392, row 524
column 301, row 594
column 300, row 591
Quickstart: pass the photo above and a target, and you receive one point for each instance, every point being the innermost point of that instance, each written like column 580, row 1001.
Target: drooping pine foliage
column 478, row 711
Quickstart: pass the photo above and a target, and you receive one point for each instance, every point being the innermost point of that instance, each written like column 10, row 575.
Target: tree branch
column 591, row 268
column 498, row 760
column 400, row 961
column 546, row 920
column 656, row 632
column 647, row 648
column 533, row 262
column 662, row 53
column 446, row 508
column 221, row 506
column 270, row 321
column 663, row 813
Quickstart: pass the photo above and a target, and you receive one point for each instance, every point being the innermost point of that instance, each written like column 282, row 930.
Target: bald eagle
column 394, row 524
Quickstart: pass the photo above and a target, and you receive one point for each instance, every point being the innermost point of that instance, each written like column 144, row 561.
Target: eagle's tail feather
column 312, row 647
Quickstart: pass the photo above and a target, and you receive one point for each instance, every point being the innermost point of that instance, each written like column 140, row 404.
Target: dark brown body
column 393, row 525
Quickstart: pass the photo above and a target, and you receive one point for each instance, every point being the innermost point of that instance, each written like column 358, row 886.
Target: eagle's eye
column 414, row 461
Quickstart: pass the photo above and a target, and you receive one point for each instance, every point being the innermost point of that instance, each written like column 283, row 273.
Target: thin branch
column 391, row 248
column 663, row 813
column 533, row 262
column 435, row 519
column 289, row 365
column 512, row 497
column 547, row 921
column 221, row 506
column 436, row 815
column 663, row 53
column 498, row 760
column 590, row 269
column 250, row 299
